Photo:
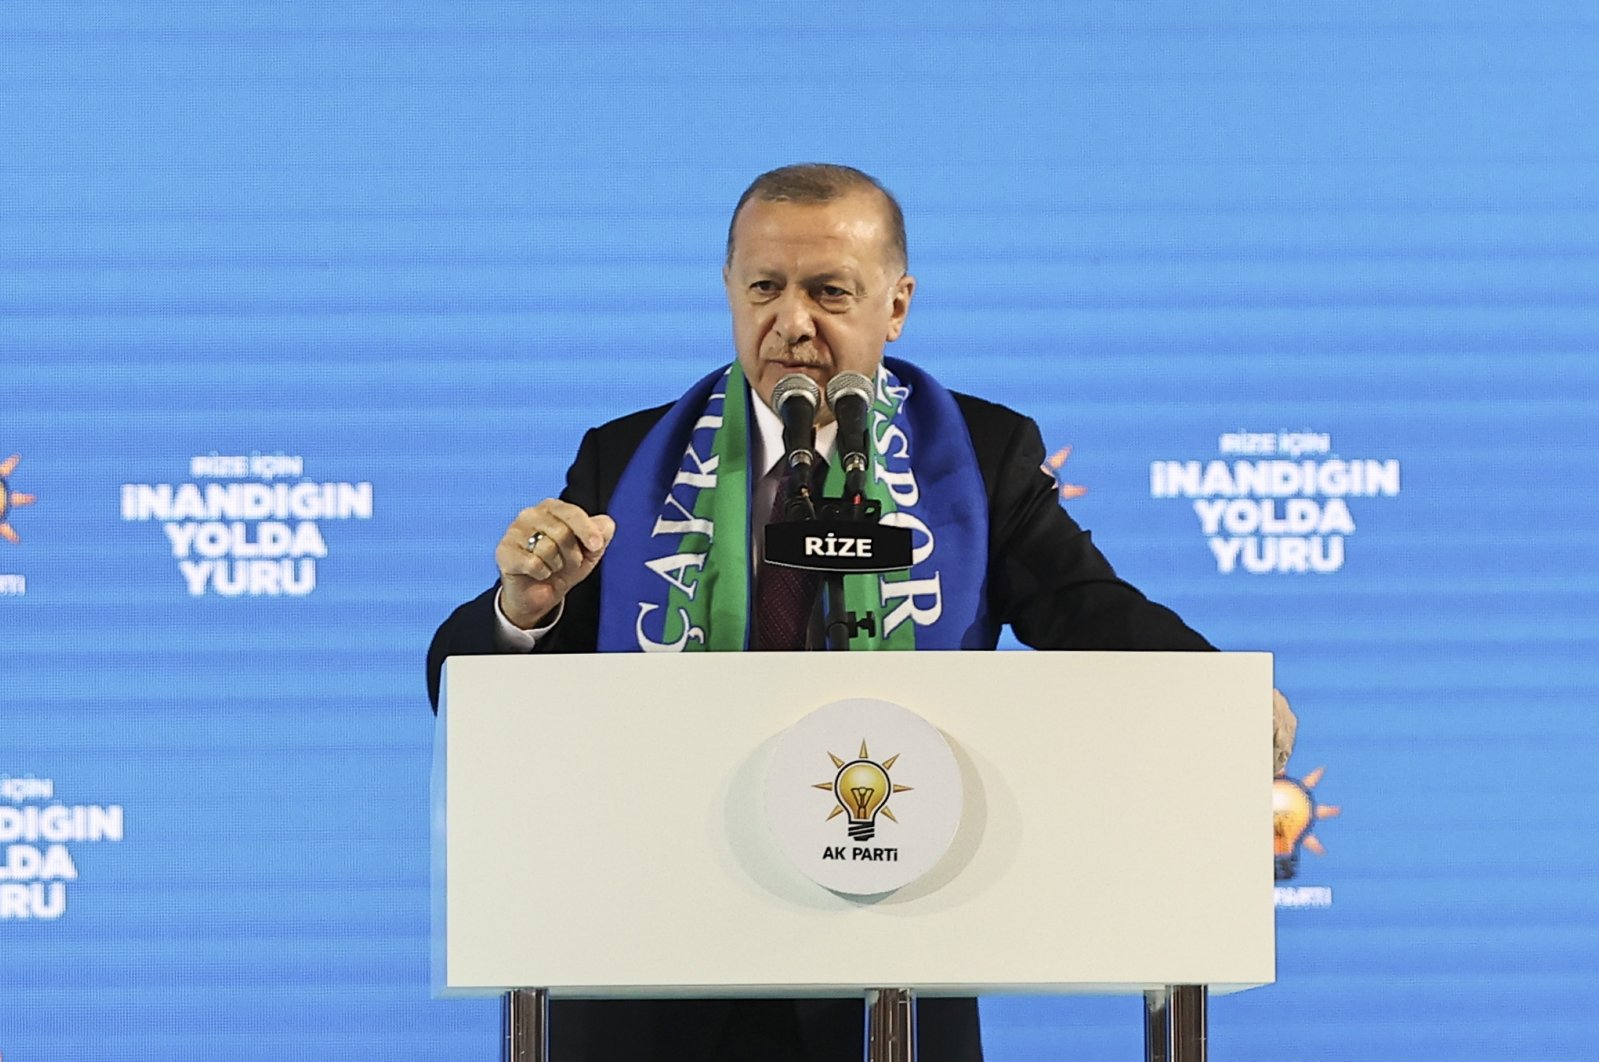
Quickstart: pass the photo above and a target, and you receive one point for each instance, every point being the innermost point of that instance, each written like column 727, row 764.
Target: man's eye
column 764, row 287
column 833, row 291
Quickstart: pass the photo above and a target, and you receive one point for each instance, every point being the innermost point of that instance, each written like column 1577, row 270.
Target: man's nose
column 794, row 320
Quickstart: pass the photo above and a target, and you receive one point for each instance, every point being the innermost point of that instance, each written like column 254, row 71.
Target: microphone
column 849, row 395
column 840, row 535
column 795, row 399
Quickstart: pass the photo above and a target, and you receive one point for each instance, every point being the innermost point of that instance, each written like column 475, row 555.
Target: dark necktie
column 785, row 597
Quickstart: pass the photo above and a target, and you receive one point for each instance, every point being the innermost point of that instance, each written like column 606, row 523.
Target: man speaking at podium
column 655, row 545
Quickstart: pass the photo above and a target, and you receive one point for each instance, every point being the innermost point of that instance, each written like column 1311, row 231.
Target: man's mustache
column 806, row 357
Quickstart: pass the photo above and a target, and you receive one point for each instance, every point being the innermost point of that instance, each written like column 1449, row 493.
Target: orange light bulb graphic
column 861, row 789
column 10, row 499
column 1294, row 812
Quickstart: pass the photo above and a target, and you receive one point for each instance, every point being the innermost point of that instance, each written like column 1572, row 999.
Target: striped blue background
column 425, row 245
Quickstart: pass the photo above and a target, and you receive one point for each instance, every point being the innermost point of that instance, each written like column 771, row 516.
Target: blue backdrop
column 396, row 257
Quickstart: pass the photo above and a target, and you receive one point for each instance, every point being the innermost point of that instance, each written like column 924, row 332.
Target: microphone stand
column 823, row 522
column 834, row 619
column 838, row 622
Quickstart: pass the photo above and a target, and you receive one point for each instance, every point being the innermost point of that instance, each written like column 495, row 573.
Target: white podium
column 599, row 831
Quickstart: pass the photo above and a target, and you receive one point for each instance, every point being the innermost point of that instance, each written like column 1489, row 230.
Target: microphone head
column 849, row 383
column 795, row 387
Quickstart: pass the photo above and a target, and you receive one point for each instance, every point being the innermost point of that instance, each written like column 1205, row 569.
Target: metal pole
column 834, row 612
column 1157, row 1048
column 1187, row 1022
column 890, row 1025
column 525, row 1025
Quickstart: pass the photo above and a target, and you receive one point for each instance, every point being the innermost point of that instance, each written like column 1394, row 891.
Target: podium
column 600, row 832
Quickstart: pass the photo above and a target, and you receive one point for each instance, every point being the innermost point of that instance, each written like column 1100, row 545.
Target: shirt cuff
column 513, row 639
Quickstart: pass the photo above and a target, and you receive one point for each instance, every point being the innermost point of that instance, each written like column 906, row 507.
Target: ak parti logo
column 1295, row 811
column 862, row 789
column 1054, row 467
column 10, row 499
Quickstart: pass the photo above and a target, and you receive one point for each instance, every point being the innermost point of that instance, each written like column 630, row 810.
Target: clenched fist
column 567, row 544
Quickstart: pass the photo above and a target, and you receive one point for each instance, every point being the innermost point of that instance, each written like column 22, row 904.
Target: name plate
column 838, row 546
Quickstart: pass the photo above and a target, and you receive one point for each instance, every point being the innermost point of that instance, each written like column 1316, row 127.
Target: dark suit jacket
column 1045, row 578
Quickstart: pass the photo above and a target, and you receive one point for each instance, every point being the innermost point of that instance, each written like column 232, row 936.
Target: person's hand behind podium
column 546, row 551
column 1284, row 725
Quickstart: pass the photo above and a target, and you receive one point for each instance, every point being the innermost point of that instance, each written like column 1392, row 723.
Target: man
column 817, row 283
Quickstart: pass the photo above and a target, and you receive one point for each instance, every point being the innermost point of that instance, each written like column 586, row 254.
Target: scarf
column 677, row 574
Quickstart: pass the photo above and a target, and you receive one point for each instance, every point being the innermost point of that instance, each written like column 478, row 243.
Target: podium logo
column 853, row 842
column 1295, row 811
column 862, row 788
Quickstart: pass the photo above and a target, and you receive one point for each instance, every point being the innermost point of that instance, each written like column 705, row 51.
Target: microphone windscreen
column 849, row 383
column 796, row 385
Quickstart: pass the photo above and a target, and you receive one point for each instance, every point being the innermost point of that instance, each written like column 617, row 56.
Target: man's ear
column 900, row 306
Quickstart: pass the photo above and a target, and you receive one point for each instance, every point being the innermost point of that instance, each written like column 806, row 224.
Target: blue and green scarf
column 677, row 575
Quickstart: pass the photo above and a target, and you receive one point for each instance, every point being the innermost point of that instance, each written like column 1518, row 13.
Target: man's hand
column 1283, row 727
column 533, row 582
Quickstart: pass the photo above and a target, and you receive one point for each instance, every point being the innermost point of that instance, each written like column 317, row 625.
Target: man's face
column 814, row 288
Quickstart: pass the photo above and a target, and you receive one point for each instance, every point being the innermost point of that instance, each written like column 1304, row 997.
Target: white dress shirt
column 768, row 455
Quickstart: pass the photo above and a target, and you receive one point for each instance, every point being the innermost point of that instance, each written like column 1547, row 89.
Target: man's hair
column 822, row 182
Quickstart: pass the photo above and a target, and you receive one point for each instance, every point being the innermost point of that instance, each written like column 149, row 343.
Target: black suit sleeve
column 1047, row 579
column 469, row 631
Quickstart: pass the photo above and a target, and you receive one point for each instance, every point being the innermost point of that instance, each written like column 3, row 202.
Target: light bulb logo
column 1054, row 466
column 1294, row 813
column 10, row 499
column 861, row 789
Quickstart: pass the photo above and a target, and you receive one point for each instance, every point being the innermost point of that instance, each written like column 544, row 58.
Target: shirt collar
column 767, row 438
